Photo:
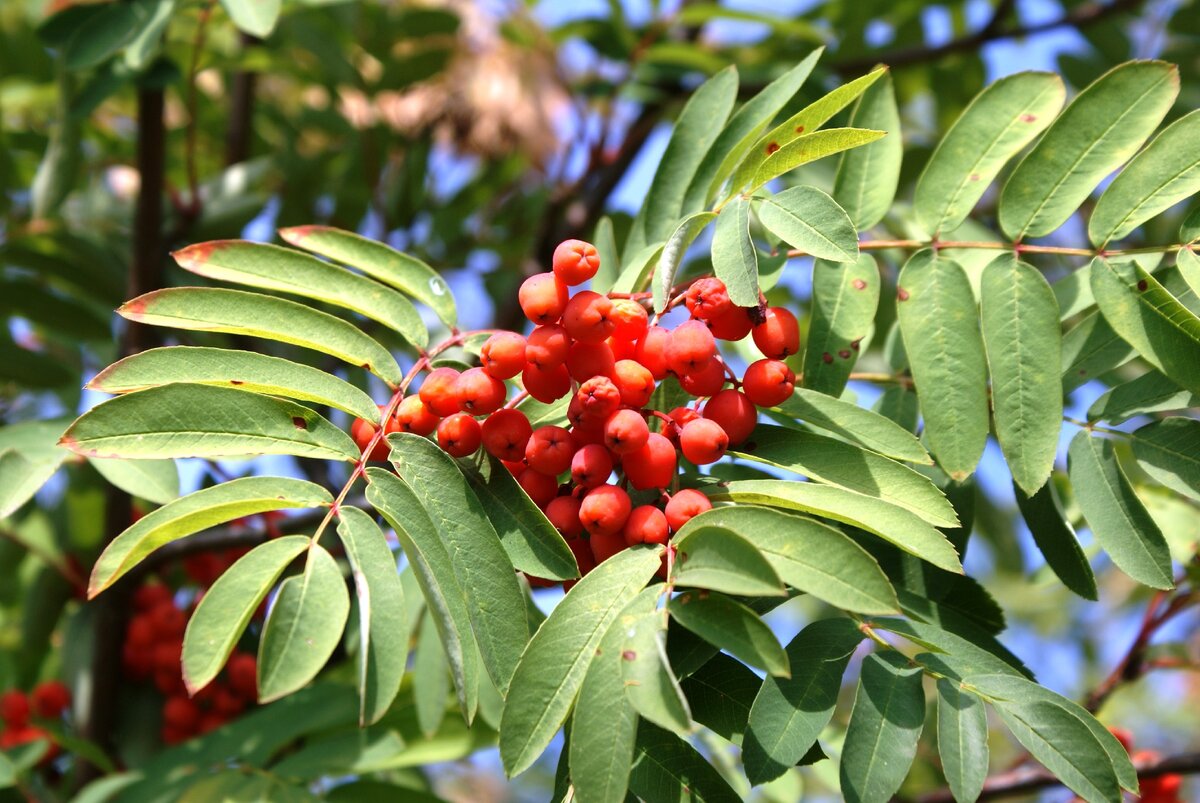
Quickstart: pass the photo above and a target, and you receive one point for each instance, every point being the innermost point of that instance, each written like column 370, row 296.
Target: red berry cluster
column 153, row 651
column 607, row 355
column 1158, row 789
column 19, row 712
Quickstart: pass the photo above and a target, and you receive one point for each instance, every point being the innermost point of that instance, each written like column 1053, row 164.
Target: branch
column 1081, row 16
column 241, row 111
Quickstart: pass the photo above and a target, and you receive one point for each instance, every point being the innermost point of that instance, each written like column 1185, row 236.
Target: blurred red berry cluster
column 1159, row 788
column 21, row 714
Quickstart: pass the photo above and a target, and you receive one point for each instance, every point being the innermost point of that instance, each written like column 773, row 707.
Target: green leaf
column 1118, row 519
column 271, row 267
column 721, row 694
column 430, row 559
column 255, row 17
column 29, row 457
column 556, row 659
column 147, row 38
column 198, row 511
column 867, row 177
column 673, row 252
column 845, row 298
column 1162, row 175
column 1090, row 349
column 1189, row 229
column 381, row 612
column 604, row 725
column 304, row 626
column 837, row 463
column 485, row 574
column 1101, row 128
column 430, row 678
column 533, row 544
column 1056, row 540
column 650, row 683
column 810, row 148
column 728, row 624
column 894, row 524
column 807, row 555
column 153, row 480
column 808, row 219
column 1149, row 393
column 205, row 421
column 1148, row 317
column 666, row 767
column 213, row 309
column 945, row 351
column 637, row 269
column 1023, row 340
column 696, row 129
column 610, row 261
column 734, row 257
column 717, row 558
column 742, row 130
column 105, row 33
column 962, row 733
column 885, row 724
column 1169, row 451
column 245, row 370
column 406, row 273
column 228, row 605
column 1189, row 268
column 995, row 126
column 853, row 423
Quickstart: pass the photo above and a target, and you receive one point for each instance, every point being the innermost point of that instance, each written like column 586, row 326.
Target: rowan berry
column 181, row 713
column 542, row 298
column 140, row 632
column 604, row 510
column 242, row 671
column 588, row 433
column 412, row 415
column 778, row 335
column 630, row 318
column 653, row 465
column 591, row 466
column 622, row 349
column 575, row 261
column 625, row 431
column 503, row 355
column 546, row 385
column 363, row 431
column 14, row 709
column 547, row 346
column 584, row 558
column 685, row 505
column 586, row 360
column 733, row 324
column 598, row 399
column 459, row 435
column 478, row 392
column 635, row 382
column 563, row 513
column 707, row 298
column 703, row 441
column 736, row 414
column 50, row 699
column 550, row 450
column 707, row 381
column 541, row 487
column 605, row 545
column 652, row 351
column 438, row 391
column 588, row 317
column 505, row 433
column 168, row 622
column 150, row 595
column 690, row 348
column 225, row 702
column 646, row 525
column 768, row 383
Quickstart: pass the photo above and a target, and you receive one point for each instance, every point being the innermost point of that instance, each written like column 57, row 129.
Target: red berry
column 652, row 351
column 690, row 348
column 768, row 383
column 630, row 319
column 575, row 261
column 181, row 714
column 242, row 671
column 622, row 349
column 150, row 595
column 646, row 525
column 703, row 441
column 707, row 381
column 550, row 450
column 540, row 487
column 586, row 360
column 635, row 382
column 459, row 435
column 140, row 632
column 51, row 699
column 584, row 559
column 14, row 709
column 547, row 385
column 542, row 298
column 225, row 702
column 168, row 621
column 598, row 399
column 438, row 392
column 1123, row 736
column 363, row 431
column 605, row 545
column 604, row 510
column 547, row 346
column 707, row 299
column 505, row 433
column 588, row 317
column 563, row 513
column 684, row 505
column 736, row 414
column 588, row 433
column 591, row 466
column 778, row 335
column 413, row 415
column 653, row 465
column 478, row 392
column 503, row 355
column 625, row 431
column 734, row 324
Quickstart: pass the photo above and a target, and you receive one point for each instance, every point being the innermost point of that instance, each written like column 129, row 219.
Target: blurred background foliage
column 475, row 135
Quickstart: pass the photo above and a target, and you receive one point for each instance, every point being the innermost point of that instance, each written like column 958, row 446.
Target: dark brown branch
column 241, row 111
